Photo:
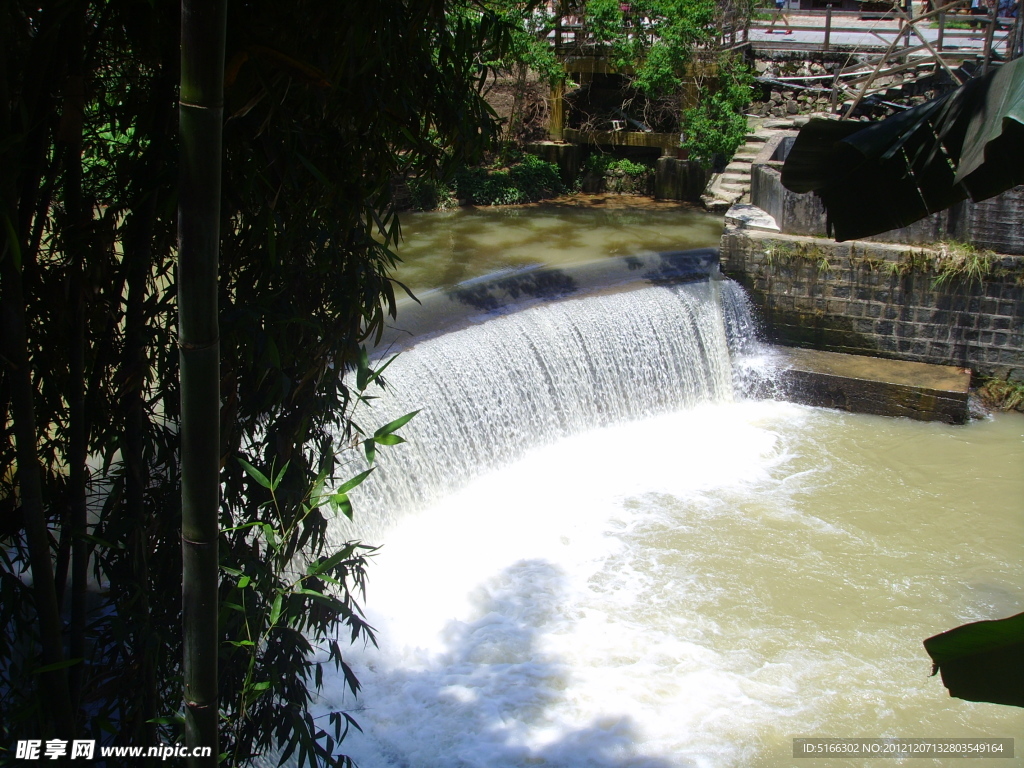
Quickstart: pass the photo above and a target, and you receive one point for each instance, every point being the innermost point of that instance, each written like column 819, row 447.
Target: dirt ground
column 501, row 93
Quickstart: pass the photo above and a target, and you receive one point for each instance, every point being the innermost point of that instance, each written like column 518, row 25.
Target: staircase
column 733, row 185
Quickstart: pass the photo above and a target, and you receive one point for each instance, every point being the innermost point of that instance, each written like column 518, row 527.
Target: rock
column 776, row 97
column 792, row 107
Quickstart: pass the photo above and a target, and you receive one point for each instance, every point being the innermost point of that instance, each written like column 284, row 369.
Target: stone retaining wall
column 994, row 224
column 868, row 298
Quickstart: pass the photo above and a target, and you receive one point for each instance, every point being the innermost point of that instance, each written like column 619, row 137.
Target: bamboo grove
column 325, row 103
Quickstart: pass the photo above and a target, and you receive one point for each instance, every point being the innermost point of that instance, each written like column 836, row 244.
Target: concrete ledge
column 479, row 299
column 746, row 216
column 873, row 385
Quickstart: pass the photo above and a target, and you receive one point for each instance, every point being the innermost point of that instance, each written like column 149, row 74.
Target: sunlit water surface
column 690, row 589
column 694, row 589
column 443, row 248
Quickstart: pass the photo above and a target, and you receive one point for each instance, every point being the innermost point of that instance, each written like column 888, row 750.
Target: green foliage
column 717, row 125
column 431, row 195
column 527, row 181
column 665, row 43
column 948, row 262
column 606, row 173
column 656, row 38
column 322, row 114
column 600, row 164
column 1003, row 394
column 528, row 46
column 779, row 253
column 280, row 611
column 963, row 262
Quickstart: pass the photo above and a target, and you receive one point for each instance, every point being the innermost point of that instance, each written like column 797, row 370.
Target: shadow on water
column 495, row 689
column 493, row 294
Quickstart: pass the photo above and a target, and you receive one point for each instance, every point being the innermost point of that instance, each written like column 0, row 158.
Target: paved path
column 809, row 30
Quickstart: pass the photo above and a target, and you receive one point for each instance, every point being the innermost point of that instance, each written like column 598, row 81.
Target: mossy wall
column 881, row 299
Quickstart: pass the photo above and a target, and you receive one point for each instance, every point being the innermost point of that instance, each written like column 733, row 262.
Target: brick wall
column 861, row 297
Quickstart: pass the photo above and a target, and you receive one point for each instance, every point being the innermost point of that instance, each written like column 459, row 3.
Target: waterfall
column 490, row 391
column 634, row 565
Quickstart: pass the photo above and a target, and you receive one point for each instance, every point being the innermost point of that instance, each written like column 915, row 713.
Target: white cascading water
column 491, row 391
column 595, row 556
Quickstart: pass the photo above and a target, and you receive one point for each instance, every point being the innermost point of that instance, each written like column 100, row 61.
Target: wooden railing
column 1001, row 36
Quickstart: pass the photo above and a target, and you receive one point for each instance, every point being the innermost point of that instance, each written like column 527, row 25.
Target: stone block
column 872, row 385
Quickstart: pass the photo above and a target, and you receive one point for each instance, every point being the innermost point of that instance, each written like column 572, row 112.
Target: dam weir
column 597, row 552
column 511, row 362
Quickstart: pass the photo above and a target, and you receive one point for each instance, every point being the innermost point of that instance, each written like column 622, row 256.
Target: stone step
column 733, row 188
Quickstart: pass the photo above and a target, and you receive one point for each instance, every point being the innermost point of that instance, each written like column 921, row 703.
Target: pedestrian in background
column 780, row 6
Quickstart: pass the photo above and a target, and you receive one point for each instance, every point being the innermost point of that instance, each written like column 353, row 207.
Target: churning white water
column 594, row 555
column 494, row 389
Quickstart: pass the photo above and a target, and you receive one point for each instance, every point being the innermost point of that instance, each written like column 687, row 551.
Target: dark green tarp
column 982, row 661
column 967, row 143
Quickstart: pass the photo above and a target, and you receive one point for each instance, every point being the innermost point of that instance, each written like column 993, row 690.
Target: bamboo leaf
column 330, row 562
column 392, row 426
column 389, row 440
column 331, row 602
column 340, row 501
column 255, row 474
column 376, row 374
column 357, row 480
column 363, row 371
column 101, row 542
column 275, row 609
column 13, row 242
column 56, row 665
column 280, row 475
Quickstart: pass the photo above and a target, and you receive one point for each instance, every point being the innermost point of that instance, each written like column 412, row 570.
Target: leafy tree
column 529, row 50
column 325, row 104
column 717, row 125
column 668, row 47
column 654, row 38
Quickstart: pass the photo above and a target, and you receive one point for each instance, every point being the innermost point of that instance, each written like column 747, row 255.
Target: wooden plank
column 622, row 138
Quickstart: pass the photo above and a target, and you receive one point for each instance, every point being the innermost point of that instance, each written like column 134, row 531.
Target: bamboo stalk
column 17, row 168
column 203, row 26
column 15, row 350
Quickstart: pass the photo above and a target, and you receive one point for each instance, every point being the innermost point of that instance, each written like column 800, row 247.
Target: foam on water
column 493, row 390
column 664, row 593
column 595, row 556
